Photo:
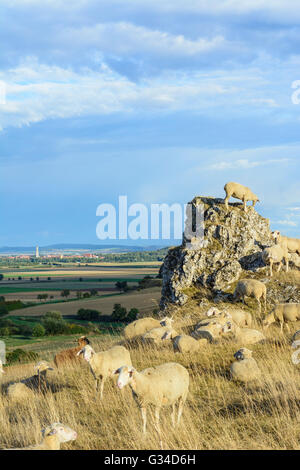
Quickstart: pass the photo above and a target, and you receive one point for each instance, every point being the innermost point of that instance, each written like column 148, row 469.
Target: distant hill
column 78, row 248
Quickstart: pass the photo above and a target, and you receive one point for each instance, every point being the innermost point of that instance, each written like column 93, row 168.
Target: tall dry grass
column 219, row 413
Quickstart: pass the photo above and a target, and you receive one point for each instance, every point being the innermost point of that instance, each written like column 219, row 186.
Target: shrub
column 3, row 309
column 132, row 314
column 19, row 355
column 88, row 314
column 119, row 313
column 53, row 315
column 38, row 330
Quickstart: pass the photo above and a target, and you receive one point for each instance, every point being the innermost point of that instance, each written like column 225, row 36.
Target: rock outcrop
column 232, row 245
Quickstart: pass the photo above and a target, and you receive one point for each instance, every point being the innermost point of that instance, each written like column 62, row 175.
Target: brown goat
column 70, row 355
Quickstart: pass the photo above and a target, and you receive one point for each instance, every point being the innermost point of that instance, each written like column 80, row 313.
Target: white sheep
column 295, row 355
column 139, row 327
column 240, row 317
column 1, row 368
column 239, row 191
column 163, row 385
column 53, row 436
column 157, row 335
column 291, row 244
column 245, row 368
column 275, row 255
column 186, row 344
column 210, row 331
column 251, row 288
column 244, row 335
column 26, row 387
column 104, row 363
column 283, row 313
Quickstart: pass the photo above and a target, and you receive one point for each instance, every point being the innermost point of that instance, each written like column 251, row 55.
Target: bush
column 88, row 314
column 54, row 327
column 38, row 330
column 24, row 330
column 3, row 309
column 132, row 314
column 119, row 313
column 19, row 355
column 55, row 315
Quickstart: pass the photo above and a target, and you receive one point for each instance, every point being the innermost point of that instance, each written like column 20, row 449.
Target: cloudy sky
column 156, row 100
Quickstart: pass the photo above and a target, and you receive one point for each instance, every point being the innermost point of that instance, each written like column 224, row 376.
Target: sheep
column 104, row 363
column 283, row 313
column 245, row 368
column 244, row 335
column 275, row 254
column 294, row 357
column 220, row 317
column 162, row 385
column 209, row 331
column 251, row 288
column 26, row 387
column 70, row 355
column 156, row 335
column 240, row 317
column 53, row 436
column 239, row 191
column 185, row 343
column 291, row 244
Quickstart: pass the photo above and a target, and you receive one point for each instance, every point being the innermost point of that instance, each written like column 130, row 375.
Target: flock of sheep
column 168, row 384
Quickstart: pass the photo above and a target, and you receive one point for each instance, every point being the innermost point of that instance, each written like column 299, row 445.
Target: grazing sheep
column 291, row 244
column 163, row 385
column 244, row 335
column 186, row 344
column 53, row 436
column 26, row 387
column 239, row 191
column 251, row 288
column 240, row 317
column 104, row 363
column 70, row 355
column 274, row 255
column 156, row 335
column 210, row 331
column 140, row 327
column 245, row 368
column 283, row 313
column 295, row 358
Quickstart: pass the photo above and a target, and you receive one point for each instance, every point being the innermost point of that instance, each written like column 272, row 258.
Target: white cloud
column 288, row 223
column 245, row 164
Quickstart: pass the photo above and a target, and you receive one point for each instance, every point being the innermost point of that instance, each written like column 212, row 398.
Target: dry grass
column 219, row 414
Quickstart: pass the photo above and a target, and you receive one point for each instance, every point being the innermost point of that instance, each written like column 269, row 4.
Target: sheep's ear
column 52, row 432
column 79, row 352
column 117, row 371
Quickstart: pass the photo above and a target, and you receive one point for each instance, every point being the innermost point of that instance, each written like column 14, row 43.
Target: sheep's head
column 213, row 312
column 62, row 432
column 228, row 327
column 42, row 367
column 87, row 352
column 295, row 358
column 268, row 320
column 242, row 353
column 275, row 235
column 83, row 341
column 125, row 375
column 167, row 321
column 169, row 334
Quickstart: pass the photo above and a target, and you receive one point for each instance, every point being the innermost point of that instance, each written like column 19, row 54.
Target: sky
column 158, row 101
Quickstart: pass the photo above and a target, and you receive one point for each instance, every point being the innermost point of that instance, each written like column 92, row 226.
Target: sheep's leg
column 157, row 411
column 287, row 327
column 226, row 201
column 286, row 264
column 279, row 267
column 271, row 268
column 180, row 408
column 245, row 204
column 173, row 415
column 144, row 418
column 101, row 388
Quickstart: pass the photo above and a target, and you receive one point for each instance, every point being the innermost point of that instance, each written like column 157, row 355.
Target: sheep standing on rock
column 244, row 335
column 275, row 255
column 245, row 368
column 162, row 385
column 53, row 436
column 283, row 313
column 26, row 387
column 291, row 244
column 239, row 191
column 70, row 355
column 104, row 363
column 251, row 288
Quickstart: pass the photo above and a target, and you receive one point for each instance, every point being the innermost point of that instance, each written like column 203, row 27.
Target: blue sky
column 159, row 101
